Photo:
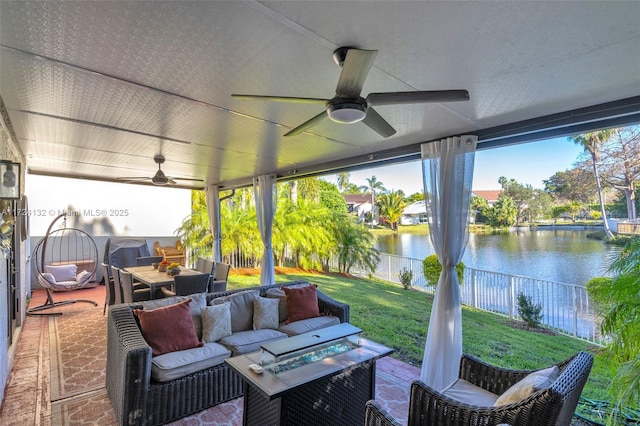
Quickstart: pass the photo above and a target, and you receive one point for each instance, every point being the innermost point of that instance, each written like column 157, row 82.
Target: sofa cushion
column 172, row 365
column 463, row 391
column 169, row 328
column 49, row 277
column 278, row 293
column 532, row 383
column 83, row 276
column 309, row 324
column 244, row 342
column 199, row 302
column 265, row 313
column 216, row 322
column 302, row 303
column 241, row 307
column 62, row 272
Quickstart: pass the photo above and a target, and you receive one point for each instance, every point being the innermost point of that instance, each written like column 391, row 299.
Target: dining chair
column 117, row 287
column 148, row 260
column 220, row 275
column 109, row 298
column 184, row 285
column 131, row 294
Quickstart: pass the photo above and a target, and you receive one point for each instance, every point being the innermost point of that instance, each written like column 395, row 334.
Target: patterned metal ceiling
column 96, row 89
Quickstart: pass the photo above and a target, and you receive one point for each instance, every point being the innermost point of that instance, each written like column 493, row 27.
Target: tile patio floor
column 27, row 395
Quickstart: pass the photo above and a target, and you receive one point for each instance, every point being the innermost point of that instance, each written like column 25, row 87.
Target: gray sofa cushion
column 244, row 342
column 309, row 324
column 172, row 365
column 463, row 391
column 241, row 307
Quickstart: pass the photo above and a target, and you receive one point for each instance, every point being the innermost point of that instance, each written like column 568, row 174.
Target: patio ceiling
column 95, row 89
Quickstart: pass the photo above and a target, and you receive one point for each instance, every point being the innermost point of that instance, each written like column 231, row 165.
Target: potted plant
column 173, row 268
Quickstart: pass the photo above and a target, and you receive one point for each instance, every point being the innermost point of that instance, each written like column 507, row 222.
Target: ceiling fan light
column 347, row 112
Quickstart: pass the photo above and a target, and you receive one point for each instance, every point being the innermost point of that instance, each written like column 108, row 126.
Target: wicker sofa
column 138, row 399
column 553, row 406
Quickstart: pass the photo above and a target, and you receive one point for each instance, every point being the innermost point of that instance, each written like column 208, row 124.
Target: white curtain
column 447, row 170
column 265, row 191
column 212, row 196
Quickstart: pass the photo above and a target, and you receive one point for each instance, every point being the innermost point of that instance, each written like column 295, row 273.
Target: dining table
column 154, row 278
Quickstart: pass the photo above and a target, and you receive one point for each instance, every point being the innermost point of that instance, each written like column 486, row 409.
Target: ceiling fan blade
column 378, row 124
column 355, row 69
column 307, row 124
column 194, row 180
column 395, row 98
column 133, row 178
column 281, row 99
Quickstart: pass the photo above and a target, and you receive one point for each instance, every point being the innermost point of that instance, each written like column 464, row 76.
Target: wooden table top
column 150, row 276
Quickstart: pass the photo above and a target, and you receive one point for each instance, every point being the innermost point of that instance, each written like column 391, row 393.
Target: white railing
column 566, row 308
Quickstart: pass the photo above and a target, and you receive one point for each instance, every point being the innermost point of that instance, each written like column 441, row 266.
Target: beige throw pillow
column 216, row 322
column 265, row 313
column 532, row 383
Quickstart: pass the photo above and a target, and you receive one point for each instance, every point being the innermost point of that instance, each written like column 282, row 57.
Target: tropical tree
column 194, row 231
column 391, row 205
column 621, row 164
column 522, row 196
column 503, row 213
column 479, row 208
column 355, row 247
column 343, row 181
column 621, row 324
column 592, row 143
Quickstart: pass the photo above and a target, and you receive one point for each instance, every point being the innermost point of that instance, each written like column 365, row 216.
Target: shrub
column 406, row 277
column 599, row 289
column 431, row 269
column 529, row 312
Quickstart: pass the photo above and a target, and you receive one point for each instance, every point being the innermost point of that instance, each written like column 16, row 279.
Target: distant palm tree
column 374, row 185
column 391, row 205
column 343, row 181
column 592, row 143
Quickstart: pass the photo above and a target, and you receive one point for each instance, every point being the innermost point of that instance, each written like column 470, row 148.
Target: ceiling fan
column 348, row 107
column 159, row 178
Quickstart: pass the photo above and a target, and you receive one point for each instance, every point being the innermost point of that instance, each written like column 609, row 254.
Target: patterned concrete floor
column 27, row 398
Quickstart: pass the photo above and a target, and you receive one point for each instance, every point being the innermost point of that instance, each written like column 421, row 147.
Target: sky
column 135, row 210
column 527, row 163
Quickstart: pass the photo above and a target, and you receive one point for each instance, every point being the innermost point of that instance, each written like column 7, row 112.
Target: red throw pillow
column 302, row 303
column 168, row 329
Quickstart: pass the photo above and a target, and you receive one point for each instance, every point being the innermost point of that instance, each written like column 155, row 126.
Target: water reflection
column 556, row 255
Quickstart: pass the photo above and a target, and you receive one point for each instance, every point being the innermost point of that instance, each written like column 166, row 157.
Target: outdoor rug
column 78, row 341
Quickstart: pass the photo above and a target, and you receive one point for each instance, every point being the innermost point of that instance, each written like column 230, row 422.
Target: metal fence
column 566, row 308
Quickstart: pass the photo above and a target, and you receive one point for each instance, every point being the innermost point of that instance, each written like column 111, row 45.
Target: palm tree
column 592, row 143
column 374, row 184
column 391, row 206
column 343, row 181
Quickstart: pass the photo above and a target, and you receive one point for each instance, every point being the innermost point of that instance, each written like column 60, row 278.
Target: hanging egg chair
column 65, row 259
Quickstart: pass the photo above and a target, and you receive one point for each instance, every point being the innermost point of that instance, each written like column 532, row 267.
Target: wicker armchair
column 550, row 407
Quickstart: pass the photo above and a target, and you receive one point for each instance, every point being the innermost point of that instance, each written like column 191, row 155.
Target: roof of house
column 357, row 198
column 419, row 207
column 491, row 195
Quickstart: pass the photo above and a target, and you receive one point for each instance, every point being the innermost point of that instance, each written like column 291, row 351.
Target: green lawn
column 399, row 318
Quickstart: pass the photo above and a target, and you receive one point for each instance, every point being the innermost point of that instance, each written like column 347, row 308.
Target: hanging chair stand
column 39, row 256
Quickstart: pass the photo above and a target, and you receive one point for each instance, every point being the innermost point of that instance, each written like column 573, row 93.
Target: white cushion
column 265, row 313
column 49, row 277
column 83, row 276
column 172, row 365
column 216, row 322
column 534, row 382
column 464, row 391
column 62, row 272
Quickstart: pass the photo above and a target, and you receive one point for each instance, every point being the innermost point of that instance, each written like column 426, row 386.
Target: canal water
column 560, row 255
